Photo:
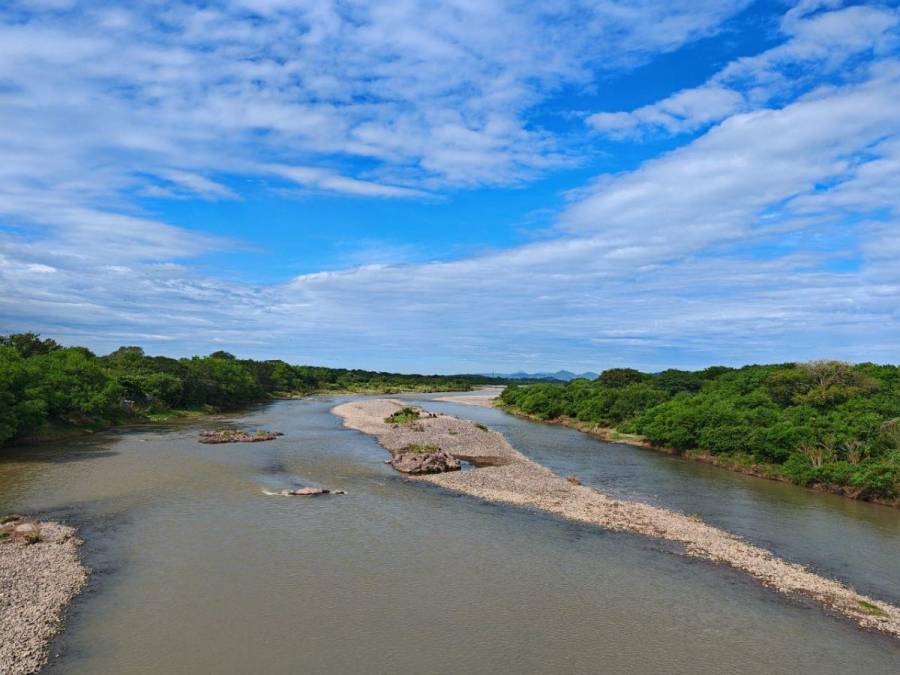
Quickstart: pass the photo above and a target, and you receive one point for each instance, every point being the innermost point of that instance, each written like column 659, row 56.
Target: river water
column 197, row 571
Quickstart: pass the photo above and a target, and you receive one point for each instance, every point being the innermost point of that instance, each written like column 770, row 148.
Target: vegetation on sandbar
column 403, row 416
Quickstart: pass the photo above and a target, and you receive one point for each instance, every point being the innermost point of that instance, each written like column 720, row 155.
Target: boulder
column 307, row 492
column 424, row 462
column 312, row 492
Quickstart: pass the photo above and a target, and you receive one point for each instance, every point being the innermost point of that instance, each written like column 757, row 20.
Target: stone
column 424, row 462
column 307, row 492
column 231, row 436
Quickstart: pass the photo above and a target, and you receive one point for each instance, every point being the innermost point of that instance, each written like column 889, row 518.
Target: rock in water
column 305, row 492
column 312, row 492
column 424, row 462
column 232, row 436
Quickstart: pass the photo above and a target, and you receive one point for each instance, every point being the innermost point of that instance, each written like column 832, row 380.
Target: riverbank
column 55, row 431
column 40, row 572
column 742, row 464
column 509, row 477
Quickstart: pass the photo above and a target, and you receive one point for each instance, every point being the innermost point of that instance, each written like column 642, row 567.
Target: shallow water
column 199, row 572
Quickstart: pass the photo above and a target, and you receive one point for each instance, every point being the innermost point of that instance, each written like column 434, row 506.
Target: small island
column 233, row 436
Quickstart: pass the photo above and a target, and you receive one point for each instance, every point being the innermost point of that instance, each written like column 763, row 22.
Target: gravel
column 37, row 581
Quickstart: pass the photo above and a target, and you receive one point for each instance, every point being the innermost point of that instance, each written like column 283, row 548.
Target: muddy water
column 199, row 572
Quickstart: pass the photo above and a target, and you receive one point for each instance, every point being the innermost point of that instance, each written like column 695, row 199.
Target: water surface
column 198, row 572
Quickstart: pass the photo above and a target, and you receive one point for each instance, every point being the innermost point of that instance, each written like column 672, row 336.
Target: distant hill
column 560, row 375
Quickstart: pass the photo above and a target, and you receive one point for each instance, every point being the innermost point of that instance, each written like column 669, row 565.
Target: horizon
column 454, row 188
column 597, row 370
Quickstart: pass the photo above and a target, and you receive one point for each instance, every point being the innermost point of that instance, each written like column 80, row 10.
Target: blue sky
column 454, row 186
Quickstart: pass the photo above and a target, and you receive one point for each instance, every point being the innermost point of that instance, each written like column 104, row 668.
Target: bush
column 403, row 416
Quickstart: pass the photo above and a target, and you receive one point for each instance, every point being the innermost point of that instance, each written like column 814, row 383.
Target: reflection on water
column 199, row 572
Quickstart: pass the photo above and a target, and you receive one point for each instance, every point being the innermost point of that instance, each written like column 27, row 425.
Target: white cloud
column 660, row 266
column 820, row 43
column 323, row 179
column 102, row 102
column 197, row 184
column 717, row 250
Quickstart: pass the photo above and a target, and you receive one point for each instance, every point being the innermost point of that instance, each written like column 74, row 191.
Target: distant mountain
column 561, row 375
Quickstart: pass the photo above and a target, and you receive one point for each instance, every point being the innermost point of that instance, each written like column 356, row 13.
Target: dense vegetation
column 43, row 385
column 827, row 422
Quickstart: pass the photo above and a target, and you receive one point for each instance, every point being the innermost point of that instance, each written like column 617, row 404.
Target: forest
column 826, row 423
column 45, row 386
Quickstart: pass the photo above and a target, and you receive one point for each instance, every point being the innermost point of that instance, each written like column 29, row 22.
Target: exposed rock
column 424, row 462
column 231, row 436
column 305, row 492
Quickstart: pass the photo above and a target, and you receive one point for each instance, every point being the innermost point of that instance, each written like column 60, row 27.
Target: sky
column 454, row 185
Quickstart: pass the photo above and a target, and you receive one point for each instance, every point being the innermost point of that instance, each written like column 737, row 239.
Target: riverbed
column 196, row 570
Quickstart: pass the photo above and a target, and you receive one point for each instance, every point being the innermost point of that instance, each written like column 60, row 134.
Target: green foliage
column 869, row 608
column 42, row 383
column 824, row 422
column 620, row 377
column 403, row 416
column 28, row 344
column 419, row 449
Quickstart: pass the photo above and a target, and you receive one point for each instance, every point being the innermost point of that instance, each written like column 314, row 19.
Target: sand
column 509, row 477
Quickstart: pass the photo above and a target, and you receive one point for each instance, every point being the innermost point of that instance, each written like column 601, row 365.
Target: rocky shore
column 40, row 572
column 509, row 477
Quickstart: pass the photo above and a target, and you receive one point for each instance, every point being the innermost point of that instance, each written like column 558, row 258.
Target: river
column 197, row 571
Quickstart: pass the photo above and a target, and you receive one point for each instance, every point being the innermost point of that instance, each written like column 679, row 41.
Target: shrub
column 403, row 416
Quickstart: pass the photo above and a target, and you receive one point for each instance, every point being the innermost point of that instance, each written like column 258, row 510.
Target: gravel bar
column 37, row 581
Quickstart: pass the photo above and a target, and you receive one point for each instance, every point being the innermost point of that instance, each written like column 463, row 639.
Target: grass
column 403, row 416
column 9, row 518
column 869, row 608
column 5, row 534
column 421, row 449
column 32, row 538
column 481, row 426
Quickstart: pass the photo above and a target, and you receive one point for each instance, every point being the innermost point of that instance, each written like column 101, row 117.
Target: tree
column 620, row 377
column 28, row 344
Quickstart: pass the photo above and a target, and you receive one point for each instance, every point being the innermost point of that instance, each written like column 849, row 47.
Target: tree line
column 826, row 422
column 43, row 383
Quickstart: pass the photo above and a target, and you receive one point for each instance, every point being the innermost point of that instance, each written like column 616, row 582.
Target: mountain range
column 561, row 375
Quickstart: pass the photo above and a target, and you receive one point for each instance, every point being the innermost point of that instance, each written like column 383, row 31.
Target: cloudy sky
column 454, row 185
